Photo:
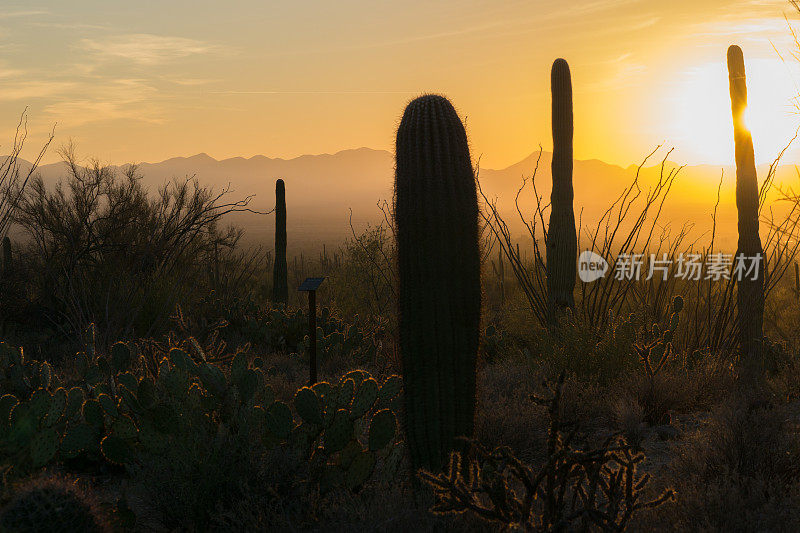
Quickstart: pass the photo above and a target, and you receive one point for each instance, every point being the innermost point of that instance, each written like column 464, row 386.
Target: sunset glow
column 282, row 80
column 451, row 265
column 699, row 123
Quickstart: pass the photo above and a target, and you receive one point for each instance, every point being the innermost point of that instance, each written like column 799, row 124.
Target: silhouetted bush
column 103, row 251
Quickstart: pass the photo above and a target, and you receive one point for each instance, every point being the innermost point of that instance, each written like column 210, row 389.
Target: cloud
column 244, row 92
column 771, row 26
column 26, row 90
column 68, row 25
column 548, row 17
column 80, row 112
column 588, row 8
column 20, row 14
column 84, row 101
column 146, row 48
column 132, row 99
column 624, row 72
column 192, row 82
column 10, row 73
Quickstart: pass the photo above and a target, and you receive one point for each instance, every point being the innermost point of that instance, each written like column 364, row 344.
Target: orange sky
column 149, row 80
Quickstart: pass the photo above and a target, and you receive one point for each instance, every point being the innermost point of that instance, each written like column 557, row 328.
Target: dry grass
column 505, row 414
column 739, row 471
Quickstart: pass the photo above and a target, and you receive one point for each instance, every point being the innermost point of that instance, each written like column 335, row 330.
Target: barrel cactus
column 52, row 504
column 750, row 295
column 439, row 298
column 280, row 285
column 562, row 243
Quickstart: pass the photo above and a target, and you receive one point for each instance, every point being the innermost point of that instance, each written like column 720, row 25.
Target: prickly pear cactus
column 30, row 430
column 337, row 432
column 121, row 411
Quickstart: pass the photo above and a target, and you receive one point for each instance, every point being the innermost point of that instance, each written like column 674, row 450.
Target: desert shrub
column 785, row 383
column 628, row 417
column 12, row 290
column 283, row 500
column 738, row 472
column 505, row 415
column 196, row 475
column 13, row 177
column 732, row 502
column 749, row 440
column 776, row 356
column 103, row 251
column 669, row 391
column 494, row 345
column 365, row 281
column 277, row 498
column 281, row 329
column 580, row 350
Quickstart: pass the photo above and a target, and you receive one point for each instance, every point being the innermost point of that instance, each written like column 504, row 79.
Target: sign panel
column 310, row 284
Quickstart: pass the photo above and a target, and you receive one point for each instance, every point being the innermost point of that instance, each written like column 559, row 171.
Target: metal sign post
column 310, row 285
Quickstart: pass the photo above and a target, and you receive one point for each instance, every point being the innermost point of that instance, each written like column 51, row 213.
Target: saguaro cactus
column 562, row 243
column 280, row 285
column 436, row 215
column 500, row 272
column 6, row 254
column 750, row 296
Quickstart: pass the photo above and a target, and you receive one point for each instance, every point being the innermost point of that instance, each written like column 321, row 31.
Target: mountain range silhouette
column 322, row 189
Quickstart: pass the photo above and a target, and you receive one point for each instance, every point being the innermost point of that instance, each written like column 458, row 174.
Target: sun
column 698, row 112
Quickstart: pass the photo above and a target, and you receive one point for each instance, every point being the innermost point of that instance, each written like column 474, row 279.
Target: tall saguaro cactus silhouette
column 6, row 255
column 750, row 296
column 562, row 243
column 280, row 285
column 436, row 216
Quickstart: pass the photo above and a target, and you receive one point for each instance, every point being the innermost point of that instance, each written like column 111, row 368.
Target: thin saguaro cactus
column 280, row 284
column 7, row 258
column 750, row 294
column 562, row 241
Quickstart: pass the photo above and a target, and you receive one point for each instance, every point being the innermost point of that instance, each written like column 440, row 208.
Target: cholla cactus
column 436, row 215
column 575, row 489
column 653, row 356
column 655, row 353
